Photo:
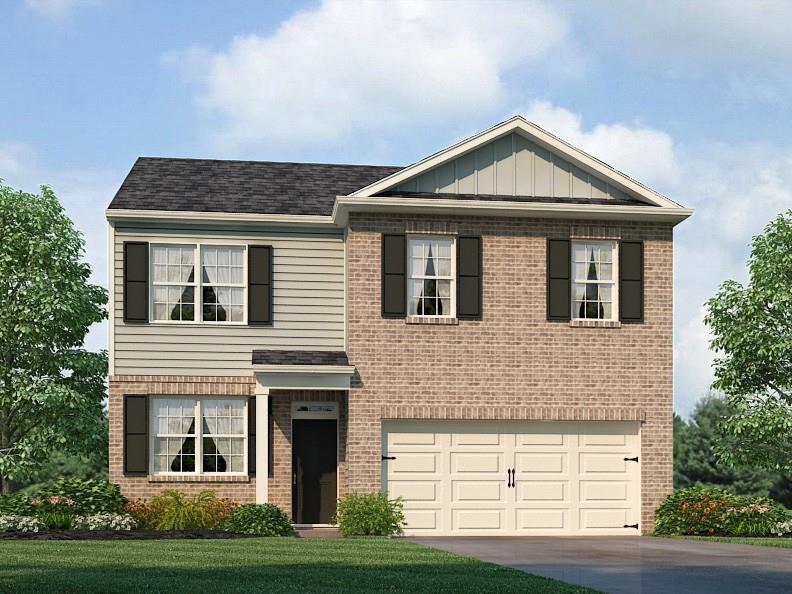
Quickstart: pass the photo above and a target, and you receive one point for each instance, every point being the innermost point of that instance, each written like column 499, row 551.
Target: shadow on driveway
column 635, row 564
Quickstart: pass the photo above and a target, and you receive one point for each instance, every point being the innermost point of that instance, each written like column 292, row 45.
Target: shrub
column 709, row 510
column 369, row 514
column 56, row 519
column 174, row 510
column 103, row 522
column 90, row 496
column 783, row 528
column 260, row 519
column 18, row 523
column 16, row 504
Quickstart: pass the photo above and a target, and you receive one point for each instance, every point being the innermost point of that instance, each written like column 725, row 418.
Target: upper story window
column 176, row 287
column 593, row 280
column 430, row 287
column 216, row 444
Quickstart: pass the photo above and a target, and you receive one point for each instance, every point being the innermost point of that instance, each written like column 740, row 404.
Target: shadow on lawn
column 323, row 577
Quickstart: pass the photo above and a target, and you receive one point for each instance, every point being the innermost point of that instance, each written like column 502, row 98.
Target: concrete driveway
column 636, row 564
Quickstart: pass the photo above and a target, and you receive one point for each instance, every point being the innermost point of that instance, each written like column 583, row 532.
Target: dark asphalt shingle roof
column 256, row 187
column 270, row 357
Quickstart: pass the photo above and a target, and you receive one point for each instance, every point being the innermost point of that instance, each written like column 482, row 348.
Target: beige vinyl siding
column 512, row 166
column 308, row 307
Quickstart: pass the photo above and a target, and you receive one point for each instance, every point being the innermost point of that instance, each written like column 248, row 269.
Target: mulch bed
column 121, row 535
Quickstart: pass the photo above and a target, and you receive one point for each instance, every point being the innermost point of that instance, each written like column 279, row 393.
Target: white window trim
column 452, row 277
column 198, row 283
column 153, row 435
column 614, row 282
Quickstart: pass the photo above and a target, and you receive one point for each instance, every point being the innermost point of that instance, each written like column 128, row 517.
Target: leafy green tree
column 752, row 334
column 51, row 388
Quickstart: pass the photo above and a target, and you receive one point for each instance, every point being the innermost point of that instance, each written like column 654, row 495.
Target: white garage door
column 479, row 477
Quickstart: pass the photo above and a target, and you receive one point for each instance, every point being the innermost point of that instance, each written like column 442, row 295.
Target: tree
column 752, row 334
column 51, row 388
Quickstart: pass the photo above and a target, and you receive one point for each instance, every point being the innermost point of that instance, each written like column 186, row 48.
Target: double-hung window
column 177, row 289
column 593, row 280
column 431, row 277
column 198, row 436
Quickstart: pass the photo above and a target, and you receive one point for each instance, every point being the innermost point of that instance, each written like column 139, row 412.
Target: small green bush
column 16, row 504
column 369, row 514
column 260, row 519
column 174, row 510
column 56, row 519
column 712, row 511
column 90, row 496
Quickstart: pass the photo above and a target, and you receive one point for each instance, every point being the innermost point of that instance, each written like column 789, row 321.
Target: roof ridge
column 248, row 161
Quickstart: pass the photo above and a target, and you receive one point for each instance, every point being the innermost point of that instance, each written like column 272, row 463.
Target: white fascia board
column 305, row 369
column 535, row 134
column 240, row 218
column 302, row 381
column 403, row 204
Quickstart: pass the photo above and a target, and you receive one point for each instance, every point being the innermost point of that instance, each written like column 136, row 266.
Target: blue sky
column 691, row 98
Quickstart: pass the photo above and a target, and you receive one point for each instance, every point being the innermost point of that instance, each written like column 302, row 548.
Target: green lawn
column 249, row 565
column 782, row 543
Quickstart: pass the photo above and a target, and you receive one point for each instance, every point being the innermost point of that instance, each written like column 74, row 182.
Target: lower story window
column 216, row 443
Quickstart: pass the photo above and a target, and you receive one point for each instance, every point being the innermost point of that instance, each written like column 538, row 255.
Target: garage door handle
column 631, row 526
column 631, row 459
column 509, row 479
column 384, row 457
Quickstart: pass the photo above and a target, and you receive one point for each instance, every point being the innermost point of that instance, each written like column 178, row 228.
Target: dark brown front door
column 314, row 464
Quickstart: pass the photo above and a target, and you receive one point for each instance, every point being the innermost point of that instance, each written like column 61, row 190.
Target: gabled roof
column 631, row 189
column 252, row 187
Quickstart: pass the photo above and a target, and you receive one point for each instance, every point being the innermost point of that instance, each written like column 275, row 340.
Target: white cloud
column 84, row 195
column 736, row 191
column 57, row 10
column 343, row 67
column 644, row 153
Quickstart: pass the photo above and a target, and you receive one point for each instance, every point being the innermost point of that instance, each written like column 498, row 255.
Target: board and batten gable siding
column 512, row 166
column 308, row 306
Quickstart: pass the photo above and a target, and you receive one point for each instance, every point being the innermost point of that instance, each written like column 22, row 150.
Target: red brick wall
column 513, row 363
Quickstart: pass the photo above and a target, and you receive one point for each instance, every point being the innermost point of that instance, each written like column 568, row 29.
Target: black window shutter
column 394, row 268
column 631, row 290
column 260, row 285
column 469, row 306
column 136, row 281
column 135, row 435
column 252, row 435
column 559, row 286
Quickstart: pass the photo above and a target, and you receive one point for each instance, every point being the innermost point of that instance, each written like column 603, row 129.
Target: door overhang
column 304, row 377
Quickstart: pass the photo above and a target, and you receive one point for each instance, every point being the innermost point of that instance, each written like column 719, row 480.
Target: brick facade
column 512, row 364
column 240, row 489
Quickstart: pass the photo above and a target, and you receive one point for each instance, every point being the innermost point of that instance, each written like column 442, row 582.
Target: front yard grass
column 781, row 543
column 259, row 564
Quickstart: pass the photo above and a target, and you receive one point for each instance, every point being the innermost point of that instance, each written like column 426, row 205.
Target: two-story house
column 486, row 333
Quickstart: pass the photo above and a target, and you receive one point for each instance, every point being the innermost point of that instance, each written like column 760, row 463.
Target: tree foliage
column 51, row 388
column 752, row 334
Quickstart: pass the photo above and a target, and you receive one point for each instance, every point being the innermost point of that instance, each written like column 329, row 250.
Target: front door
column 314, row 465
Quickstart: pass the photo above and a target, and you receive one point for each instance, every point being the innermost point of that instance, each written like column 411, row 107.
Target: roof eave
column 115, row 215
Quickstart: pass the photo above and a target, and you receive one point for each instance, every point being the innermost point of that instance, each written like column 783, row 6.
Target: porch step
column 317, row 532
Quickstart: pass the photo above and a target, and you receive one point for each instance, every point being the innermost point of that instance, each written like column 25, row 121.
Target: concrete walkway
column 634, row 565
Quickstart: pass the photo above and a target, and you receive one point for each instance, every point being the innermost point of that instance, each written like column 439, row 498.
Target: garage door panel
column 478, row 519
column 413, row 490
column 542, row 519
column 478, row 462
column 592, row 491
column 407, row 462
column 412, row 439
column 556, row 491
column 601, row 462
column 539, row 439
column 596, row 519
column 477, row 439
column 541, row 462
column 422, row 519
column 483, row 491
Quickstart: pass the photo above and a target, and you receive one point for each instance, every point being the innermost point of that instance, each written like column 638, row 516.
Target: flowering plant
column 103, row 521
column 783, row 528
column 16, row 523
